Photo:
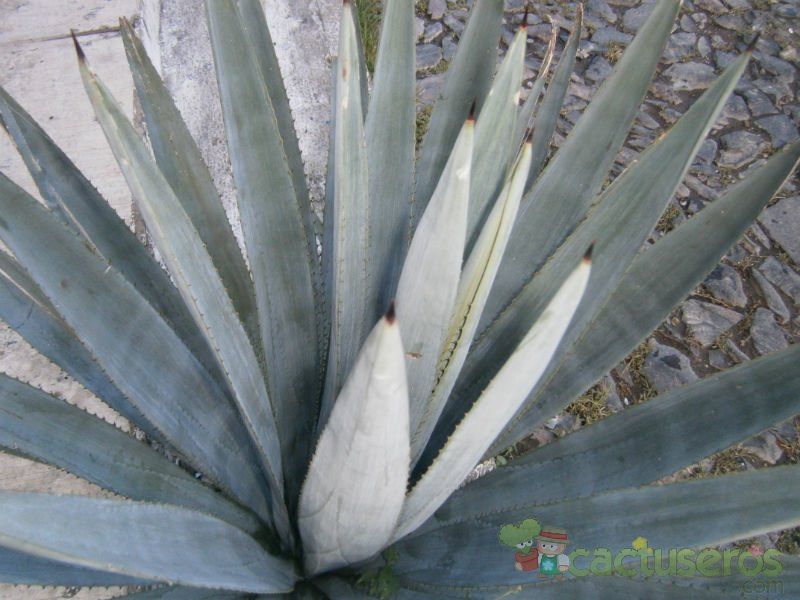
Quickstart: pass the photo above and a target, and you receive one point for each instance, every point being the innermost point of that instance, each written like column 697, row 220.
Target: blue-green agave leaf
column 150, row 541
column 199, row 282
column 275, row 225
column 389, row 133
column 352, row 268
column 618, row 224
column 644, row 297
column 132, row 343
column 688, row 514
column 77, row 203
column 56, row 433
column 550, row 110
column 467, row 81
column 642, row 444
column 495, row 127
column 27, row 311
column 567, row 187
column 180, row 161
column 24, row 569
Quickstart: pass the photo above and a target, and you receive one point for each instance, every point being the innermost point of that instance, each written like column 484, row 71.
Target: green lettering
column 602, row 562
column 658, row 562
column 619, row 566
column 772, row 566
column 750, row 571
column 706, row 562
column 727, row 559
column 573, row 566
column 686, row 566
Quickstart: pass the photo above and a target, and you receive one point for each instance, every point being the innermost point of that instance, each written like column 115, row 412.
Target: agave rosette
column 334, row 403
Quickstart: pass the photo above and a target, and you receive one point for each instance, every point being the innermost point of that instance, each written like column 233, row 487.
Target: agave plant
column 328, row 428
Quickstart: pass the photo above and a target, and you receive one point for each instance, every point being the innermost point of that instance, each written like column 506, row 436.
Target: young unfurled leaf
column 354, row 490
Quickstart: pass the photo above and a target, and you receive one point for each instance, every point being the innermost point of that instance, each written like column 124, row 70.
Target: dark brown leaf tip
column 471, row 116
column 78, row 49
column 587, row 256
column 390, row 315
column 524, row 24
column 345, row 2
column 752, row 45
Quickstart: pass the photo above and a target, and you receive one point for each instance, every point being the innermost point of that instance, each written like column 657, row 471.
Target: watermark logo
column 543, row 552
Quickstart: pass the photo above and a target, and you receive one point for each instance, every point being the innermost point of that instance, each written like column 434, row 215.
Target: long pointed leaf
column 354, row 492
column 20, row 568
column 77, row 203
column 644, row 443
column 547, row 116
column 691, row 514
column 180, row 161
column 197, row 279
column 473, row 289
column 643, row 297
column 618, row 223
column 54, row 432
column 158, row 542
column 136, row 348
column 564, row 191
column 429, row 281
column 28, row 312
column 273, row 215
column 467, row 81
column 494, row 129
column 390, row 149
column 498, row 402
column 352, row 265
column 526, row 114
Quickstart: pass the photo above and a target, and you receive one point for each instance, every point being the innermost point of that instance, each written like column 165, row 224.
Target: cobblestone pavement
column 748, row 306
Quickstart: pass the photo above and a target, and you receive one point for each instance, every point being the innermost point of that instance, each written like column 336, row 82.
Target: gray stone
column 428, row 89
column 706, row 322
column 708, row 151
column 723, row 59
column 740, row 148
column 690, row 76
column 718, row 360
column 613, row 401
column 437, row 8
column 735, row 109
column 766, row 334
column 432, row 31
column 777, row 66
column 704, row 46
column 419, row 28
column 687, row 24
column 680, row 47
column 454, row 24
column 738, row 4
column 788, row 11
column 758, row 102
column 599, row 69
column 635, row 17
column 782, row 221
column 731, row 21
column 734, row 350
column 772, row 297
column 601, row 7
column 715, row 7
column 764, row 446
column 607, row 35
column 666, row 367
column 725, row 284
column 780, row 128
column 781, row 276
column 428, row 56
column 449, row 48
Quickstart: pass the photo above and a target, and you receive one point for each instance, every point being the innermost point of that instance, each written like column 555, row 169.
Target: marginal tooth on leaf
column 752, row 45
column 471, row 116
column 529, row 135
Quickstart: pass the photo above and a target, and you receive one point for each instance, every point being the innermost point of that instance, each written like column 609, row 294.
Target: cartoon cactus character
column 522, row 537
